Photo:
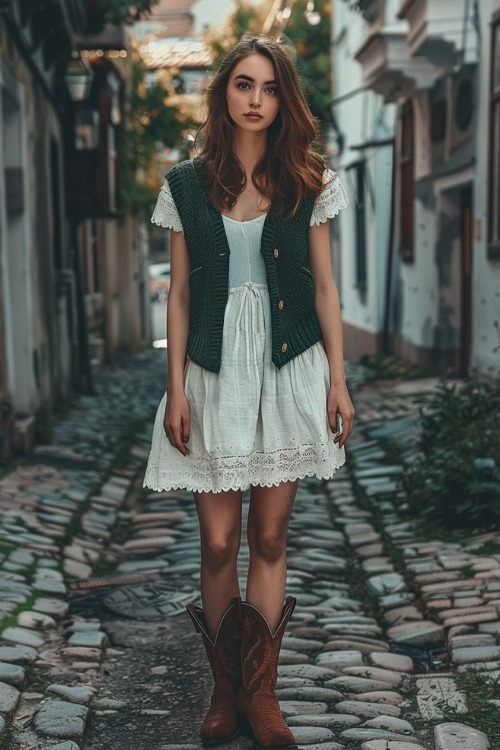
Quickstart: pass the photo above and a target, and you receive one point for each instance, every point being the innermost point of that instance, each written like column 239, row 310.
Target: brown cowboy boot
column 259, row 673
column 224, row 654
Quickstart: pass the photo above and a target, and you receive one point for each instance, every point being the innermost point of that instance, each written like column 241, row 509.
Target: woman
column 256, row 394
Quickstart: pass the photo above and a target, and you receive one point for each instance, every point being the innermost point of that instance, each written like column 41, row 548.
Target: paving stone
column 76, row 569
column 399, row 599
column 80, row 652
column 108, row 704
column 396, row 662
column 418, row 632
column 436, row 695
column 353, row 684
column 489, row 627
column 305, row 693
column 18, row 654
column 388, row 676
column 323, row 720
column 72, row 694
column 82, row 627
column 35, row 620
column 472, row 640
column 30, row 697
column 293, row 708
column 391, row 745
column 61, row 719
column 401, row 614
column 379, row 696
column 339, row 659
column 13, row 674
column 70, row 745
column 454, row 735
column 392, row 723
column 91, row 639
column 310, row 735
column 292, row 657
column 466, row 612
column 54, row 607
column 386, row 583
column 311, row 671
column 367, row 710
column 366, row 645
column 299, row 644
column 474, row 653
column 22, row 636
column 9, row 697
column 363, row 734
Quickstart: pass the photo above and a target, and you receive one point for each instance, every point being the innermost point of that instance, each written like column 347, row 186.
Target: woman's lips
column 253, row 116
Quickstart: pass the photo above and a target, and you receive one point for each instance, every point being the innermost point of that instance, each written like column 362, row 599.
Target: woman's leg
column 219, row 515
column 268, row 518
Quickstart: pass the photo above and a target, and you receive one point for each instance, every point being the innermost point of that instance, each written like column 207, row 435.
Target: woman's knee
column 219, row 550
column 268, row 544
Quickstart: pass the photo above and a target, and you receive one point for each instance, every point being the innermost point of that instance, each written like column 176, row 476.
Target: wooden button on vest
column 275, row 253
column 280, row 304
column 284, row 347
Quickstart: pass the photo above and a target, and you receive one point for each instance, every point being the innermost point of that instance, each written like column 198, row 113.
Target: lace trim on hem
column 164, row 486
column 205, row 475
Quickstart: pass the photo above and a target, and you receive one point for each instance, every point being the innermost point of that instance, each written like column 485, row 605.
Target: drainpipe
column 390, row 257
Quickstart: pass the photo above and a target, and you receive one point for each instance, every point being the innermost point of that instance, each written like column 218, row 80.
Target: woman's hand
column 339, row 404
column 177, row 422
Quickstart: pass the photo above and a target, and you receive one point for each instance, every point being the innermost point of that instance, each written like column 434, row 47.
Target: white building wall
column 16, row 260
column 361, row 117
column 485, row 354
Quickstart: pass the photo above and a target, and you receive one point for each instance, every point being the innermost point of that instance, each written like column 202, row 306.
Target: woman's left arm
column 327, row 308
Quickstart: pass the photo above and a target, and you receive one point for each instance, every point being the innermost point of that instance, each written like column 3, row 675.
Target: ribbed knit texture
column 295, row 326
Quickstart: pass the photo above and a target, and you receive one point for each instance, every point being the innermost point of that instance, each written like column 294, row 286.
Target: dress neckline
column 247, row 221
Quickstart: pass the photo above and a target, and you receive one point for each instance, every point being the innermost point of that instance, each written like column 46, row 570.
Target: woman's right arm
column 177, row 418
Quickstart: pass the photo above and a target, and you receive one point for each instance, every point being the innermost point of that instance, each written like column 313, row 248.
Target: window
column 407, row 168
column 494, row 181
column 358, row 176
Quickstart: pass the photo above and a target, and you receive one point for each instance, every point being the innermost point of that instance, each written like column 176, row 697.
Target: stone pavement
column 96, row 653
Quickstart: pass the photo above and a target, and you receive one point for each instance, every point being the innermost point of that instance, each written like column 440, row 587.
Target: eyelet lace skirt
column 251, row 423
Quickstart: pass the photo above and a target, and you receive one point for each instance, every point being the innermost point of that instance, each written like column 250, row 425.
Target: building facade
column 46, row 304
column 417, row 142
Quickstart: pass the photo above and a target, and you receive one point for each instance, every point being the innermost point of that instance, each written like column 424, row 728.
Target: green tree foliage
column 122, row 11
column 153, row 125
column 244, row 17
column 313, row 56
column 312, row 44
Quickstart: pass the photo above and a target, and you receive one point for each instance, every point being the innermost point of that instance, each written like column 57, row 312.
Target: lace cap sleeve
column 165, row 213
column 332, row 200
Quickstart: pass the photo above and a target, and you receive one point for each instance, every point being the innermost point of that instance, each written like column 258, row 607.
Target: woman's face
column 251, row 93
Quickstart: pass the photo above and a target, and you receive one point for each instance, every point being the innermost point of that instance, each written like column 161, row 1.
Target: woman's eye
column 243, row 85
column 271, row 90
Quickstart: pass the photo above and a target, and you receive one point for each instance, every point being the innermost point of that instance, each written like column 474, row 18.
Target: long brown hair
column 290, row 168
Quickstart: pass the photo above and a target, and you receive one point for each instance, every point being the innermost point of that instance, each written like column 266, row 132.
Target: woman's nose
column 255, row 99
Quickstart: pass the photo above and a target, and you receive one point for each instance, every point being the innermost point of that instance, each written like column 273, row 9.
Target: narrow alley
column 97, row 652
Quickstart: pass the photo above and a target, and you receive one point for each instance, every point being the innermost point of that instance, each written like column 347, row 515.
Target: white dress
column 251, row 423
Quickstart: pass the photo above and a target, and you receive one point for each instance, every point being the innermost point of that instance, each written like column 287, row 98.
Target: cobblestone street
column 96, row 652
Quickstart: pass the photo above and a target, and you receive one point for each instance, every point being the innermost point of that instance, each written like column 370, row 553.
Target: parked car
column 159, row 281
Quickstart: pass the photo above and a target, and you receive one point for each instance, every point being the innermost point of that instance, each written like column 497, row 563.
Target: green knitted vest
column 284, row 247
